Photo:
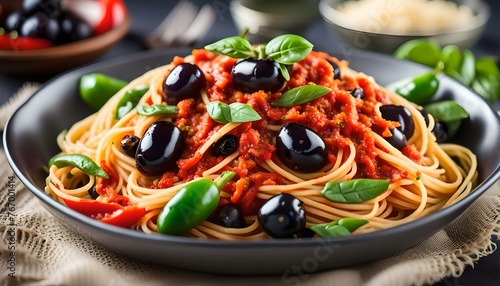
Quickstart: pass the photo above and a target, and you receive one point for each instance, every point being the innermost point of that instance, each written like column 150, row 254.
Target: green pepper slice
column 191, row 205
column 418, row 89
column 97, row 88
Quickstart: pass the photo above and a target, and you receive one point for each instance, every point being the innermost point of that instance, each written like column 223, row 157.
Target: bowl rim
column 329, row 14
column 73, row 48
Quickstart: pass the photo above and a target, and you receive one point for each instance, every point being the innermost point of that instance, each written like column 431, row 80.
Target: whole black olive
column 225, row 145
column 184, row 81
column 159, row 148
column 425, row 114
column 282, row 216
column 300, row 148
column 230, row 215
column 336, row 70
column 129, row 145
column 72, row 28
column 440, row 130
column 398, row 139
column 357, row 93
column 399, row 114
column 49, row 7
column 13, row 21
column 39, row 25
column 251, row 75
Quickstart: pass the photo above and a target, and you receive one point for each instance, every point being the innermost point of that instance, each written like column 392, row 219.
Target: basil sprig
column 81, row 162
column 157, row 109
column 301, row 95
column 341, row 227
column 234, row 112
column 448, row 111
column 284, row 49
column 354, row 191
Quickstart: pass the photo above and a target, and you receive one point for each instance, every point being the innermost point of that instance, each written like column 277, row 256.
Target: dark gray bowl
column 388, row 43
column 30, row 140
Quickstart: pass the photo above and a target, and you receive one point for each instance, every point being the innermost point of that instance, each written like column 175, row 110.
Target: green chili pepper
column 130, row 100
column 82, row 162
column 418, row 89
column 191, row 205
column 97, row 88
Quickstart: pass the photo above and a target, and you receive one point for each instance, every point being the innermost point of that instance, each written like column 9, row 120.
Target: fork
column 182, row 26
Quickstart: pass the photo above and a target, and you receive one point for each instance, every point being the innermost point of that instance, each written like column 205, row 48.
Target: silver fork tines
column 182, row 26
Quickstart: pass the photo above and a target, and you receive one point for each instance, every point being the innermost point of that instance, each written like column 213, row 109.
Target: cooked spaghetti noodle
column 424, row 176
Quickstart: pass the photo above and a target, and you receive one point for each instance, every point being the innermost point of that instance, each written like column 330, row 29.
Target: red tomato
column 23, row 43
column 102, row 15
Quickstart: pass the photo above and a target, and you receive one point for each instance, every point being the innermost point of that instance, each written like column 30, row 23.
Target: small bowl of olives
column 46, row 37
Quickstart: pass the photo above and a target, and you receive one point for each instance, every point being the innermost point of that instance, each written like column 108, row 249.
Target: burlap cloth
column 47, row 253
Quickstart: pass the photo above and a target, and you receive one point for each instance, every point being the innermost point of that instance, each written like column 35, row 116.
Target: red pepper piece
column 23, row 43
column 110, row 213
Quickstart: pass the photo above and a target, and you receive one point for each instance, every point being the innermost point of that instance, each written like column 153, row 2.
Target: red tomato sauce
column 337, row 117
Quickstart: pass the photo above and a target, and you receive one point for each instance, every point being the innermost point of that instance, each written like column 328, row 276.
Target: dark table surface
column 147, row 14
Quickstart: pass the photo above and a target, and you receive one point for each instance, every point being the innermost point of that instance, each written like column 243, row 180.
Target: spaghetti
column 424, row 176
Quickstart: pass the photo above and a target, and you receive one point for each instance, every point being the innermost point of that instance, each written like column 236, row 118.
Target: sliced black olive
column 230, row 215
column 184, row 81
column 93, row 193
column 73, row 28
column 282, row 216
column 226, row 145
column 336, row 70
column 129, row 145
column 300, row 148
column 251, row 75
column 425, row 114
column 49, row 7
column 13, row 21
column 399, row 114
column 440, row 130
column 159, row 148
column 357, row 93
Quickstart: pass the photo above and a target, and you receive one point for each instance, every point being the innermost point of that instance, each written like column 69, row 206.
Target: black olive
column 129, row 145
column 225, row 145
column 184, row 81
column 251, row 75
column 398, row 139
column 282, row 216
column 300, row 148
column 39, row 25
column 49, row 7
column 230, row 215
column 72, row 28
column 306, row 233
column 399, row 114
column 93, row 193
column 425, row 114
column 13, row 21
column 440, row 130
column 336, row 70
column 357, row 93
column 159, row 148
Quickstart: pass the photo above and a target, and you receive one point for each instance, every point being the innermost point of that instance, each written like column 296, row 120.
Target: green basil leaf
column 288, row 49
column 235, row 47
column 234, row 112
column 423, row 51
column 446, row 110
column 485, row 66
column 157, row 109
column 301, row 95
column 327, row 230
column 453, row 127
column 452, row 57
column 352, row 223
column 341, row 227
column 354, row 191
column 284, row 72
column 467, row 67
column 82, row 162
column 130, row 100
column 487, row 86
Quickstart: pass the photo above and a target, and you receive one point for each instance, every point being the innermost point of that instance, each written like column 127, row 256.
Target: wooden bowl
column 60, row 58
